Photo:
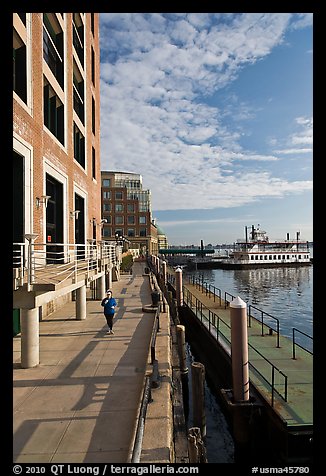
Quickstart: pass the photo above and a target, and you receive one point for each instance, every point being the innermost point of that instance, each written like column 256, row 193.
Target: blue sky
column 214, row 110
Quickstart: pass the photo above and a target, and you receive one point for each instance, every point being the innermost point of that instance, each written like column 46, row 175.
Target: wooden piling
column 198, row 396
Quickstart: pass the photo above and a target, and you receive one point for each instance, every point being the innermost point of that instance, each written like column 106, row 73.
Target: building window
column 19, row 67
column 118, row 220
column 22, row 16
column 93, row 115
column 78, row 92
column 93, row 163
column 118, row 195
column 107, row 232
column 53, row 46
column 119, row 207
column 93, row 66
column 107, row 195
column 142, row 232
column 106, row 207
column 131, row 220
column 92, row 23
column 53, row 110
column 130, row 208
column 106, row 183
column 79, row 146
column 78, row 36
column 142, row 220
column 131, row 232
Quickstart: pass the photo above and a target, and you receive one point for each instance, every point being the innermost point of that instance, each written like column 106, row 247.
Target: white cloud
column 156, row 70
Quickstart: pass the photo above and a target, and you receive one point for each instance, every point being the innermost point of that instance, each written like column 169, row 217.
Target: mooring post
column 182, row 348
column 178, row 285
column 239, row 350
column 164, row 272
column 198, row 396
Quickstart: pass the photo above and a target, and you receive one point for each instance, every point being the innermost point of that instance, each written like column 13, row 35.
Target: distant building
column 162, row 238
column 127, row 212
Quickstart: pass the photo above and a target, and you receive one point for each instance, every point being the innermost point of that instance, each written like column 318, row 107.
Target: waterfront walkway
column 81, row 403
column 297, row 410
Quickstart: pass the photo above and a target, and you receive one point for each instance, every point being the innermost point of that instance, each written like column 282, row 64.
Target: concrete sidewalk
column 81, row 403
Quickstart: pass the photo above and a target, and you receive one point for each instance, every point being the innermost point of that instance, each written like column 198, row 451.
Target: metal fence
column 221, row 331
column 43, row 263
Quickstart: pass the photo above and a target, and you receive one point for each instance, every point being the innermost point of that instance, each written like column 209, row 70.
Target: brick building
column 56, row 127
column 127, row 211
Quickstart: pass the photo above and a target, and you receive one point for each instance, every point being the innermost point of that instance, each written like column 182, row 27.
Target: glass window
column 119, row 207
column 107, row 195
column 79, row 146
column 106, row 207
column 142, row 220
column 131, row 207
column 131, row 232
column 119, row 220
column 106, row 183
column 142, row 232
column 118, row 195
column 53, row 114
column 53, row 46
column 131, row 220
column 19, row 67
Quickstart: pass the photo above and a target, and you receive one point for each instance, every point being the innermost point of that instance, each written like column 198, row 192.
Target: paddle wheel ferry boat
column 257, row 250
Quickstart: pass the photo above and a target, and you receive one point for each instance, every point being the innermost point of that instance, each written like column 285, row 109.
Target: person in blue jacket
column 109, row 304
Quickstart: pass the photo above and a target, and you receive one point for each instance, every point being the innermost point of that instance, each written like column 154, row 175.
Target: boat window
column 265, row 257
column 288, row 257
column 274, row 257
column 270, row 257
column 279, row 257
column 299, row 256
column 283, row 256
column 256, row 257
column 260, row 257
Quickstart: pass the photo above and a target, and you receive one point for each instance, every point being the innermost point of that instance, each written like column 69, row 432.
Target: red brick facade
column 35, row 146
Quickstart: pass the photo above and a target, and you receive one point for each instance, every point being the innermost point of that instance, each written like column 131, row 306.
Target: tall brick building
column 127, row 211
column 56, row 127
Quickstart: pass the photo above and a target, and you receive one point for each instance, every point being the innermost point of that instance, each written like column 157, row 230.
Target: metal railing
column 294, row 343
column 221, row 331
column 44, row 263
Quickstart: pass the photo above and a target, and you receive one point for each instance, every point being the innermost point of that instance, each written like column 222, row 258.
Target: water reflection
column 283, row 292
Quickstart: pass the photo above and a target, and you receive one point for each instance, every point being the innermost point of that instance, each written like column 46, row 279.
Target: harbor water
column 284, row 292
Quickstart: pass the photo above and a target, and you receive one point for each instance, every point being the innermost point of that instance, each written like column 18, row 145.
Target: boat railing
column 221, row 331
column 294, row 343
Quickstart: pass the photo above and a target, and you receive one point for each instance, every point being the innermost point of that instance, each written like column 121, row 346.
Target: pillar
column 100, row 287
column 164, row 272
column 181, row 340
column 30, row 338
column 109, row 278
column 81, row 303
column 178, row 284
column 239, row 350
